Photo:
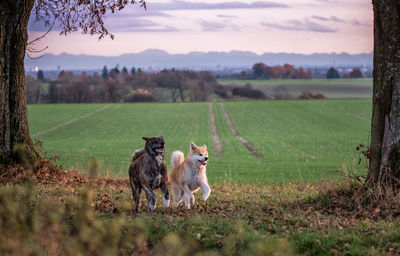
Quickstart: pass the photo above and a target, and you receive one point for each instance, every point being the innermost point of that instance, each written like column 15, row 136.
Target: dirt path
column 217, row 142
column 70, row 121
column 243, row 140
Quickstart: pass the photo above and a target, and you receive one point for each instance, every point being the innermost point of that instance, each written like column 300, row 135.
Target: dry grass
column 52, row 211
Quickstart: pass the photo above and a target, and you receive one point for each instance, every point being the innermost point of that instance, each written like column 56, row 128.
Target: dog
column 148, row 171
column 189, row 175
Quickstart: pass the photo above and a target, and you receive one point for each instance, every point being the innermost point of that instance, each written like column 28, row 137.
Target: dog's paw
column 187, row 203
column 206, row 192
column 166, row 203
column 151, row 209
column 205, row 196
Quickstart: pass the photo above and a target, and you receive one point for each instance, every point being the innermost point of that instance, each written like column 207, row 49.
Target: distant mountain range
column 158, row 59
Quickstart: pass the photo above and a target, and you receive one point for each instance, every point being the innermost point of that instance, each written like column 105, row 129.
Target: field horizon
column 342, row 88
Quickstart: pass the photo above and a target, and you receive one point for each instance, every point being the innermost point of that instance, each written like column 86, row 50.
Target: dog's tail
column 177, row 158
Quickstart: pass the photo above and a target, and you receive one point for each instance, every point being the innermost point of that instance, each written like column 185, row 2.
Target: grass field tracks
column 114, row 134
column 300, row 141
column 299, row 135
column 50, row 115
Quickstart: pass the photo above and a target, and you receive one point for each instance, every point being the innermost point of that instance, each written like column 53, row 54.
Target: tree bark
column 385, row 124
column 15, row 143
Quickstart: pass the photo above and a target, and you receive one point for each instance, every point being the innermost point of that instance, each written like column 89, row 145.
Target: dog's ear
column 192, row 146
column 204, row 146
column 145, row 138
column 162, row 137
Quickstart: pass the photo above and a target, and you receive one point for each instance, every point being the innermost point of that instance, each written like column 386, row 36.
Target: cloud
column 116, row 24
column 153, row 29
column 226, row 16
column 130, row 24
column 298, row 25
column 332, row 18
column 123, row 19
column 134, row 24
column 212, row 25
column 139, row 12
column 357, row 23
column 328, row 1
column 124, row 23
column 131, row 17
column 184, row 5
column 354, row 22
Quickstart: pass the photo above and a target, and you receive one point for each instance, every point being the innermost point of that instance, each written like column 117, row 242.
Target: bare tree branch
column 85, row 15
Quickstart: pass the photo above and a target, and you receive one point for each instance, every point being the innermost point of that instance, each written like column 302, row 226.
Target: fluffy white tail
column 177, row 158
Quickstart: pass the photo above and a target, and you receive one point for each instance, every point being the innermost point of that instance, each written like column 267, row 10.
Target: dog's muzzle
column 160, row 151
column 204, row 162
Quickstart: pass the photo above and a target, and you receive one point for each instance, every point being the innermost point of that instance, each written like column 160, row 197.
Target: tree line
column 333, row 73
column 263, row 71
column 287, row 71
column 168, row 85
column 116, row 85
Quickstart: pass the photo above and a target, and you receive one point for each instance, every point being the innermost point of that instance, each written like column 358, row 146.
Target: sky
column 183, row 26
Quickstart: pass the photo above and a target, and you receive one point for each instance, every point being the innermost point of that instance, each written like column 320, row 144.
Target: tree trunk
column 15, row 143
column 385, row 124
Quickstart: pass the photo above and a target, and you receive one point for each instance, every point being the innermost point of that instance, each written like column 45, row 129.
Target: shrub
column 140, row 96
column 332, row 73
column 309, row 95
column 355, row 73
column 224, row 92
column 247, row 91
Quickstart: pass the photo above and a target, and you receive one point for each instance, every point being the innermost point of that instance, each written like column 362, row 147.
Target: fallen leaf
column 333, row 251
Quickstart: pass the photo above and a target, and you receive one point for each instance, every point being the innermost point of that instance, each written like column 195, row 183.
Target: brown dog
column 148, row 171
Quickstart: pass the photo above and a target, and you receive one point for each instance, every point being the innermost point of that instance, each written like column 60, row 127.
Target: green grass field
column 301, row 141
column 292, row 88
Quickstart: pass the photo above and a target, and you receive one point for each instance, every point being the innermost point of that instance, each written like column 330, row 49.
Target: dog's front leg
column 188, row 197
column 177, row 194
column 151, row 198
column 165, row 192
column 206, row 191
column 136, row 193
